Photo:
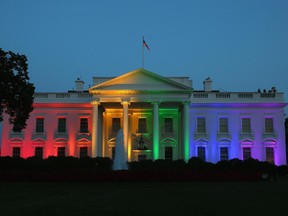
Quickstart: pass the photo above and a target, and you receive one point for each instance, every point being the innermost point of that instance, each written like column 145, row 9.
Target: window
column 39, row 125
column 169, row 153
column 142, row 128
column 84, row 125
column 201, row 153
column 168, row 125
column 61, row 125
column 83, row 152
column 201, row 126
column 38, row 152
column 116, row 125
column 113, row 152
column 269, row 125
column 16, row 152
column 246, row 153
column 246, row 128
column 142, row 157
column 61, row 152
column 223, row 125
column 270, row 155
column 224, row 154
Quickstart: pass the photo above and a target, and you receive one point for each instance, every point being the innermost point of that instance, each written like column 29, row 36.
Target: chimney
column 79, row 85
column 207, row 84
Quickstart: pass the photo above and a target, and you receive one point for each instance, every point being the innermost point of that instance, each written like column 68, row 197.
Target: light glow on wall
column 156, row 130
column 27, row 140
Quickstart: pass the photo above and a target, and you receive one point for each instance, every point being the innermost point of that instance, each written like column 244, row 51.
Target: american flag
column 145, row 45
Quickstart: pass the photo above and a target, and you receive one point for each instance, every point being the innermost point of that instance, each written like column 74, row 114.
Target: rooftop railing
column 198, row 96
column 238, row 96
column 69, row 95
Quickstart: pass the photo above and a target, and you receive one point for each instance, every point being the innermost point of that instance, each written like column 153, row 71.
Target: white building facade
column 161, row 118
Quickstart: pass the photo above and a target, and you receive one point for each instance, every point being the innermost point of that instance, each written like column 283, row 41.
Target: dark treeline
column 71, row 169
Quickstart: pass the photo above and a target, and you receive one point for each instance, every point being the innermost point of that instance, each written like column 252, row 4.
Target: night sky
column 242, row 45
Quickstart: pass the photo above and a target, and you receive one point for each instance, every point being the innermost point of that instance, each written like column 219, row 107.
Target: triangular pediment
column 140, row 80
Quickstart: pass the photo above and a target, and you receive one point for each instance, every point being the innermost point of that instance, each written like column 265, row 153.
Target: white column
column 125, row 104
column 185, row 126
column 129, row 138
column 155, row 130
column 95, row 120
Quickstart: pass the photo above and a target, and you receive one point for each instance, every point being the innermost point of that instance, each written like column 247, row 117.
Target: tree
column 16, row 92
column 286, row 137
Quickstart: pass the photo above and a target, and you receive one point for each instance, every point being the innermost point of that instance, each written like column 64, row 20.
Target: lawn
column 190, row 198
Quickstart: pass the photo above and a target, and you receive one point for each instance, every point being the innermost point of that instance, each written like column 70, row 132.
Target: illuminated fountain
column 120, row 160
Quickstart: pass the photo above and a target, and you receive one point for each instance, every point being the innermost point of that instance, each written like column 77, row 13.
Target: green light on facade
column 186, row 148
column 156, row 145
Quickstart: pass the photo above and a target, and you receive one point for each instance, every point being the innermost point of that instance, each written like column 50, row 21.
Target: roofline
column 142, row 70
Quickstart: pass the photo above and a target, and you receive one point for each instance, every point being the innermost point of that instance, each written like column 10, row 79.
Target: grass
column 190, row 198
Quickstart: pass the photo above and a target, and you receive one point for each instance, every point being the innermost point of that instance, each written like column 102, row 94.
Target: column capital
column 155, row 102
column 125, row 101
column 95, row 101
column 186, row 102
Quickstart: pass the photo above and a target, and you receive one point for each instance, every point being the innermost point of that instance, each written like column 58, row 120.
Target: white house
column 161, row 118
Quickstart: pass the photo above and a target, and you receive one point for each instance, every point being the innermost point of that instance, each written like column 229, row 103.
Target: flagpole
column 142, row 52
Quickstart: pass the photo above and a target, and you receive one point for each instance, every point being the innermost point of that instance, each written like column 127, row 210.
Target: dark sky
column 242, row 45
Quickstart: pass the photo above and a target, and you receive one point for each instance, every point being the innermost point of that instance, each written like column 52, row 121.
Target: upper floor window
column 61, row 125
column 116, row 125
column 39, row 125
column 168, row 125
column 84, row 125
column 201, row 125
column 142, row 127
column 269, row 125
column 223, row 125
column 246, row 125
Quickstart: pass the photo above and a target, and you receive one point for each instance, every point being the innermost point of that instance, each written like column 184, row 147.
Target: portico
column 150, row 109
